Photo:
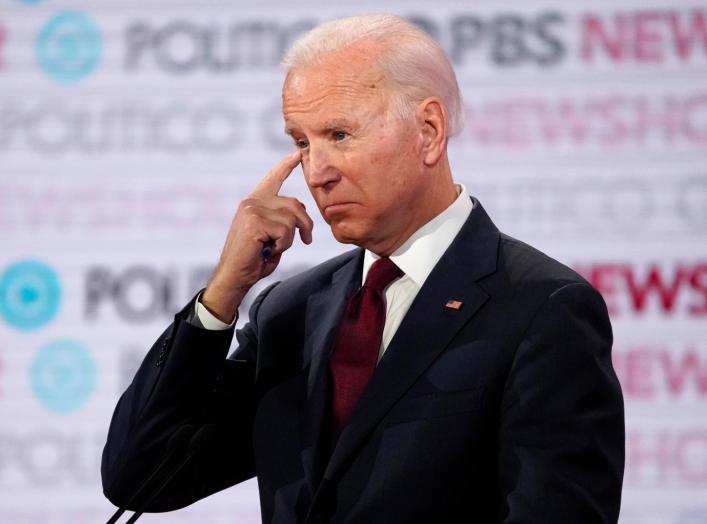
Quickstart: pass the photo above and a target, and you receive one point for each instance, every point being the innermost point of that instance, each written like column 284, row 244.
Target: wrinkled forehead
column 348, row 77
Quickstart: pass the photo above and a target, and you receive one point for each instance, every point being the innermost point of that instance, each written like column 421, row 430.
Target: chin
column 343, row 239
column 345, row 235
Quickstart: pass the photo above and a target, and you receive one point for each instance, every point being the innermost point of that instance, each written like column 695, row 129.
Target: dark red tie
column 358, row 341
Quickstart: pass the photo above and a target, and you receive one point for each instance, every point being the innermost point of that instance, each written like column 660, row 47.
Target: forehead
column 346, row 81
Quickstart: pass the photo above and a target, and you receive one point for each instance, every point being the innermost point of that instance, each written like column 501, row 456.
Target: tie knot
column 382, row 272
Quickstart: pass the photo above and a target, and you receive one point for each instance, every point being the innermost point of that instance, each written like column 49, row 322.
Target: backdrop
column 130, row 130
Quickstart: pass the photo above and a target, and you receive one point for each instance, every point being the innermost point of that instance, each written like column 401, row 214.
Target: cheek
column 396, row 166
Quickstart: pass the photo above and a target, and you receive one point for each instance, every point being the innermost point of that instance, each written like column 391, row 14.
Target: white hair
column 412, row 61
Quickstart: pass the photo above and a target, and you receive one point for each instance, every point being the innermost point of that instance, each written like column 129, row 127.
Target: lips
column 337, row 204
column 333, row 209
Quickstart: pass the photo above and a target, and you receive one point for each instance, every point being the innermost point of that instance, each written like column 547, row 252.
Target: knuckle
column 289, row 202
column 248, row 202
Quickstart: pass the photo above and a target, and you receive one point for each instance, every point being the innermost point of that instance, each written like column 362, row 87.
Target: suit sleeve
column 561, row 436
column 186, row 379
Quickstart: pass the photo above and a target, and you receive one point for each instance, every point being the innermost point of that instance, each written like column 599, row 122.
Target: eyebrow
column 330, row 125
column 336, row 124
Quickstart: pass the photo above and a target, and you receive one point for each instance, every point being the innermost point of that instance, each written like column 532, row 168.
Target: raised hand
column 264, row 219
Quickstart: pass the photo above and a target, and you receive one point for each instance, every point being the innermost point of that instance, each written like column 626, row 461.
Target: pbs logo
column 30, row 295
column 69, row 47
column 63, row 375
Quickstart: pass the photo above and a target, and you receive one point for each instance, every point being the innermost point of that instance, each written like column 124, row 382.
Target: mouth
column 334, row 209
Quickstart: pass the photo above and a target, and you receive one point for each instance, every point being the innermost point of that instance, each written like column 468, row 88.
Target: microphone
column 199, row 443
column 176, row 445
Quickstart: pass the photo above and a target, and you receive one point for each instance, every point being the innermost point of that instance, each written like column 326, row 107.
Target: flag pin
column 454, row 304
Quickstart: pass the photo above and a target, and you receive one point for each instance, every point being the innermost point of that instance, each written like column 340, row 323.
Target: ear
column 432, row 121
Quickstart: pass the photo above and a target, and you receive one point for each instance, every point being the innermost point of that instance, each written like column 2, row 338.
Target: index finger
column 271, row 184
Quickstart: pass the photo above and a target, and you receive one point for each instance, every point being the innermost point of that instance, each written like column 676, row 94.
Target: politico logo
column 141, row 293
column 63, row 375
column 180, row 46
column 47, row 457
column 144, row 293
column 95, row 126
column 69, row 47
column 30, row 295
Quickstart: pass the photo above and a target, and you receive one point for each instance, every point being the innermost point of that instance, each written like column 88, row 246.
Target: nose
column 319, row 167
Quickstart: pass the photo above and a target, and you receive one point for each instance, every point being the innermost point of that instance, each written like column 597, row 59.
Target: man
column 440, row 372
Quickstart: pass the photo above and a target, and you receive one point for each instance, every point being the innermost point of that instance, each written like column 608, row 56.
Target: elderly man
column 439, row 372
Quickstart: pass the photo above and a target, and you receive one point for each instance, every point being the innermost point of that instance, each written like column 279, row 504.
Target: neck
column 438, row 197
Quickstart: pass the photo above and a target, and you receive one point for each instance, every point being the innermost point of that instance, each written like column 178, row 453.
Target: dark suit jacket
column 506, row 410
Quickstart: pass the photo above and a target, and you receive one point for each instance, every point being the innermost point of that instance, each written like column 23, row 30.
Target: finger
column 291, row 220
column 272, row 223
column 304, row 222
column 291, row 212
column 271, row 184
column 280, row 235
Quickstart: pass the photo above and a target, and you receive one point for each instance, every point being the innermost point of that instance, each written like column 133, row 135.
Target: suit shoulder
column 526, row 267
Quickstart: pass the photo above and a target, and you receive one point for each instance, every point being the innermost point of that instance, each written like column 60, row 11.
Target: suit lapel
column 323, row 311
column 426, row 330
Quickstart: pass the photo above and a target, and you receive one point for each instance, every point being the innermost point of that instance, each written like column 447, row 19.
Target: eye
column 340, row 135
column 301, row 144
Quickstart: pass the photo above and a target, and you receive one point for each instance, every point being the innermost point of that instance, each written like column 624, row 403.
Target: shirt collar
column 420, row 253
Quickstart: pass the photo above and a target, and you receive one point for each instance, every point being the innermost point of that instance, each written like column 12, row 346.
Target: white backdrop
column 130, row 130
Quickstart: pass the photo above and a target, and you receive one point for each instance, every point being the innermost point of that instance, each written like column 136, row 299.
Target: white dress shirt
column 416, row 258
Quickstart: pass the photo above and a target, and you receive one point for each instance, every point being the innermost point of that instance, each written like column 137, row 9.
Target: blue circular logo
column 69, row 46
column 29, row 295
column 63, row 375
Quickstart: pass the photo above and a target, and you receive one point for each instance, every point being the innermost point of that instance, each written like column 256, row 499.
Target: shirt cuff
column 208, row 320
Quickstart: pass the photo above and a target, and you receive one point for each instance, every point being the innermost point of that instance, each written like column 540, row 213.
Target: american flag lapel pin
column 454, row 304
